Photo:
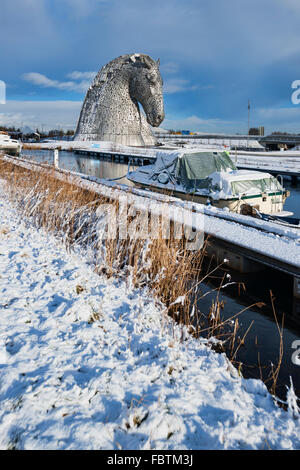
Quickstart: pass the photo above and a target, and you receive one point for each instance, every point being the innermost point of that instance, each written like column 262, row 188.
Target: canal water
column 92, row 166
column 293, row 202
column 262, row 342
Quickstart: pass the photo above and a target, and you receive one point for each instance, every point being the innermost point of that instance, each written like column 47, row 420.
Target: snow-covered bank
column 90, row 363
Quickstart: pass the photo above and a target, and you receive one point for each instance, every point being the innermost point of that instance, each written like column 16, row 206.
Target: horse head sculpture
column 146, row 88
column 111, row 108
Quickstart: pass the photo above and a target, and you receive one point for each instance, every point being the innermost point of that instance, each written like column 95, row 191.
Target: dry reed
column 70, row 212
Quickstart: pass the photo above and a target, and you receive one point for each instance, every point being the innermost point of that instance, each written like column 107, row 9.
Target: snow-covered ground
column 91, row 363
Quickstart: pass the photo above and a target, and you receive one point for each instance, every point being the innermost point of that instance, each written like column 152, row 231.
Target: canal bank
column 258, row 287
column 63, row 353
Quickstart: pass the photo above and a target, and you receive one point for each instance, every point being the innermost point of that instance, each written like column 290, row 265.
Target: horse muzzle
column 155, row 119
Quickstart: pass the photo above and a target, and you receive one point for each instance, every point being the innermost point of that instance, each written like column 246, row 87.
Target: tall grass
column 165, row 266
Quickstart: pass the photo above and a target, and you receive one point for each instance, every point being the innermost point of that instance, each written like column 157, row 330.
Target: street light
column 248, row 122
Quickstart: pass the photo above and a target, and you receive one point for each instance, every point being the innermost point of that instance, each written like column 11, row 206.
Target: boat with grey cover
column 210, row 177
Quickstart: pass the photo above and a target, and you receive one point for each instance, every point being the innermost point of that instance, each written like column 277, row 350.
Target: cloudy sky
column 215, row 55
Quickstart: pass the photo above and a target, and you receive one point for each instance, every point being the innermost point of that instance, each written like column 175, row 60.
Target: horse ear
column 158, row 62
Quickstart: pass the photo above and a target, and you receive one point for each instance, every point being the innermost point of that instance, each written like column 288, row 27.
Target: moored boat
column 210, row 177
column 9, row 145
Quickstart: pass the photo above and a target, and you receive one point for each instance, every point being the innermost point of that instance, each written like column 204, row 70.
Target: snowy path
column 87, row 363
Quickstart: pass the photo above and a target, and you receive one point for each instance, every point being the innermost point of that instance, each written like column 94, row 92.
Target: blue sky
column 215, row 55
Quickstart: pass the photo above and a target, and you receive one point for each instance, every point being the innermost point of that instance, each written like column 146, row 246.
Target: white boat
column 210, row 177
column 9, row 145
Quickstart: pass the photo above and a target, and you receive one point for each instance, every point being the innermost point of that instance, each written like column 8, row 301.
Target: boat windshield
column 263, row 185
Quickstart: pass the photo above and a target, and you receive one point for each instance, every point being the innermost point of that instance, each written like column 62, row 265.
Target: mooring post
column 56, row 158
column 297, row 287
column 296, row 299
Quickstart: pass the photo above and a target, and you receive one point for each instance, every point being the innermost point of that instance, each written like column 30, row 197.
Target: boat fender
column 246, row 209
column 163, row 177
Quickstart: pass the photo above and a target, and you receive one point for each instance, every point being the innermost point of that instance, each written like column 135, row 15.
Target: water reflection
column 262, row 343
column 91, row 166
column 103, row 169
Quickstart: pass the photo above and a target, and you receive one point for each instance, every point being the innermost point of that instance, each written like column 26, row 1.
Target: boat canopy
column 191, row 169
column 195, row 166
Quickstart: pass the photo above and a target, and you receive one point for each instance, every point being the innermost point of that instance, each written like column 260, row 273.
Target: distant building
column 257, row 131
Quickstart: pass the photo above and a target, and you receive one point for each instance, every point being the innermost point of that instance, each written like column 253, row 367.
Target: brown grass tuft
column 163, row 265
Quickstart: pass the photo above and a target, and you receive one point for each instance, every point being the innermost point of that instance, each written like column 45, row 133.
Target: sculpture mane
column 111, row 108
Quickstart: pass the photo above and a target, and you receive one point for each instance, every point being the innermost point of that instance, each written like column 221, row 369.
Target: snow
column 223, row 180
column 92, row 363
column 272, row 161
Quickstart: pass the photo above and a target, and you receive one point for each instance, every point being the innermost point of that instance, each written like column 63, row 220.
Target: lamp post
column 248, row 122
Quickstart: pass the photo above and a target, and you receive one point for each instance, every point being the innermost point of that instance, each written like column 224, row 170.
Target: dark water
column 293, row 202
column 263, row 339
column 262, row 343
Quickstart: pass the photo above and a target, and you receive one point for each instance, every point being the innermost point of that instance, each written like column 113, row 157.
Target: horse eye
column 151, row 79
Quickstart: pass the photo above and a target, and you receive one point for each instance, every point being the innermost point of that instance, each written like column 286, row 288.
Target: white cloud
column 41, row 80
column 196, row 123
column 169, row 67
column 177, row 85
column 81, row 75
column 46, row 114
column 284, row 119
column 83, row 8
